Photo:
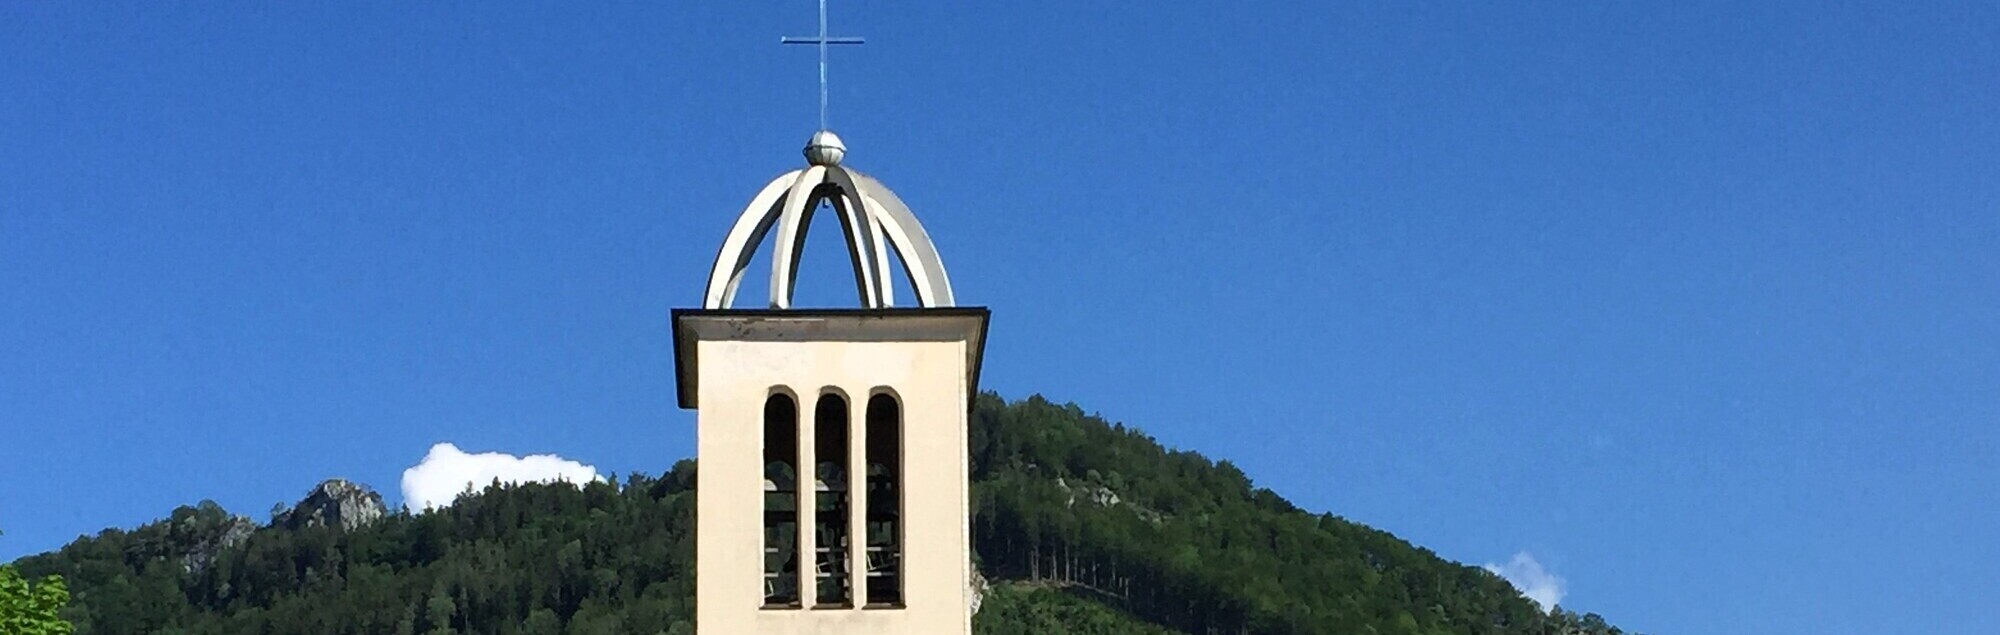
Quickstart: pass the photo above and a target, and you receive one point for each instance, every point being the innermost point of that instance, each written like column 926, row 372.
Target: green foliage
column 1032, row 609
column 1193, row 545
column 1087, row 527
column 32, row 610
column 521, row 559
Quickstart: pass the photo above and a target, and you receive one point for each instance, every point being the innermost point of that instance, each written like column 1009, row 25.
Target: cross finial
column 821, row 41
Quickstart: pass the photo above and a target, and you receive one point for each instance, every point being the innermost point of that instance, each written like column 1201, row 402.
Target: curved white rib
column 920, row 256
column 866, row 253
column 791, row 236
column 743, row 239
column 854, row 226
column 874, row 221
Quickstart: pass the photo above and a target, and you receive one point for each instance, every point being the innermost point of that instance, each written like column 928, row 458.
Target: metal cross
column 821, row 42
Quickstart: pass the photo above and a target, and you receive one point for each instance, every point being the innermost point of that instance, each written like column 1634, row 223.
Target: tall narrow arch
column 781, row 501
column 831, row 500
column 884, row 435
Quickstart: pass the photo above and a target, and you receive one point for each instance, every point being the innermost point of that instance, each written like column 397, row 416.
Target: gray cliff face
column 1101, row 496
column 1097, row 495
column 976, row 587
column 230, row 534
column 335, row 503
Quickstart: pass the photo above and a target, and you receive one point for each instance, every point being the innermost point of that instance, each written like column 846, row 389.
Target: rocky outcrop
column 1101, row 496
column 976, row 588
column 335, row 503
column 1098, row 495
column 210, row 543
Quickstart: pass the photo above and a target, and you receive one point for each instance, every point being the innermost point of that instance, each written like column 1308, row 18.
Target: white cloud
column 446, row 472
column 1532, row 579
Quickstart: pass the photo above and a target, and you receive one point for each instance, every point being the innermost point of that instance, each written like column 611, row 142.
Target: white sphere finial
column 825, row 149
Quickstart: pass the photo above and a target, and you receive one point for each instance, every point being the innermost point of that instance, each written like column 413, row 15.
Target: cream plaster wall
column 736, row 371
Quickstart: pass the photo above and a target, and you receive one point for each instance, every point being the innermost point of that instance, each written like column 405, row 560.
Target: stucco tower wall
column 729, row 362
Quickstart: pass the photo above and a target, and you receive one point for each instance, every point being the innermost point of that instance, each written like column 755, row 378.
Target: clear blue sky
column 1699, row 303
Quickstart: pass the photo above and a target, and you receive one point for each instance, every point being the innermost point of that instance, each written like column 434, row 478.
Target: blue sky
column 1697, row 303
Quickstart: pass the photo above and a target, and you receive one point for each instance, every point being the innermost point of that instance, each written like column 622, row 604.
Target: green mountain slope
column 1084, row 527
column 1021, row 608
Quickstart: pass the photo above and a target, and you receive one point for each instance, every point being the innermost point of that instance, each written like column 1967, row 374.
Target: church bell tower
column 832, row 493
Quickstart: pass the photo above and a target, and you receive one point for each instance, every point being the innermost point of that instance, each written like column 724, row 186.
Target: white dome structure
column 874, row 220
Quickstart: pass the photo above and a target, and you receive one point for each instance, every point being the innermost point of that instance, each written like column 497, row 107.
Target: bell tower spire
column 834, row 492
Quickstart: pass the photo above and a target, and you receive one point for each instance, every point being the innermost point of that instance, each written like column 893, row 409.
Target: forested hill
column 1080, row 526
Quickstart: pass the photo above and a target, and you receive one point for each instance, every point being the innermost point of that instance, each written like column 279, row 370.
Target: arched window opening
column 885, row 501
column 781, row 502
column 830, row 544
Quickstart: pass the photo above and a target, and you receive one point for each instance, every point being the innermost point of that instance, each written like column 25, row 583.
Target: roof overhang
column 950, row 324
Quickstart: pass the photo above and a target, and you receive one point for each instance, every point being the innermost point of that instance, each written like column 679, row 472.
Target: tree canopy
column 1084, row 526
column 32, row 609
